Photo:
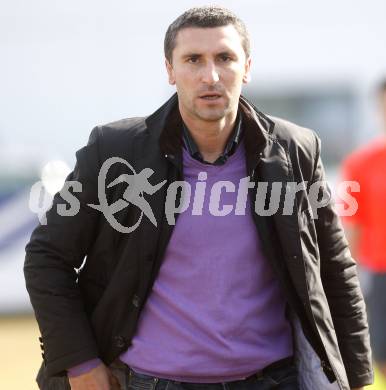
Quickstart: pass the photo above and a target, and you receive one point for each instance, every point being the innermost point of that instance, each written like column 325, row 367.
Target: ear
column 170, row 70
column 247, row 71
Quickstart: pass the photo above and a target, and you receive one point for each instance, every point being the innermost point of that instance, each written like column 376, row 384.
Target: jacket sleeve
column 55, row 250
column 342, row 289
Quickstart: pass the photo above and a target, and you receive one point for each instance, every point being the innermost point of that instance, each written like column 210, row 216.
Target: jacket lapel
column 161, row 141
column 274, row 167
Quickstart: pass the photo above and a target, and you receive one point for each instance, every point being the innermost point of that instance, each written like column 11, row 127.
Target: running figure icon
column 137, row 184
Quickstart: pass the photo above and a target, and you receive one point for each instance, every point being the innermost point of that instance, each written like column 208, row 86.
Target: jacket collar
column 234, row 139
column 165, row 127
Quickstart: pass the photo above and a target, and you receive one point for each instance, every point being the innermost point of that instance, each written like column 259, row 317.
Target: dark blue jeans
column 282, row 378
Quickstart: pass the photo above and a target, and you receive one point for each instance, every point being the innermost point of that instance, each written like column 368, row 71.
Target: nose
column 210, row 74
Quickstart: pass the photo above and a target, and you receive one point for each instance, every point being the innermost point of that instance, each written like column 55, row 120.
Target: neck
column 210, row 136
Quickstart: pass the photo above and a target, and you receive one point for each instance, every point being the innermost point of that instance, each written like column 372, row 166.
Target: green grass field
column 21, row 357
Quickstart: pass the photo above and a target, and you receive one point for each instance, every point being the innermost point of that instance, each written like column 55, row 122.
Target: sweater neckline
column 233, row 158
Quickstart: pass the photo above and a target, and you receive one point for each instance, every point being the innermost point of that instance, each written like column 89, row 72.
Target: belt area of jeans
column 256, row 375
column 273, row 366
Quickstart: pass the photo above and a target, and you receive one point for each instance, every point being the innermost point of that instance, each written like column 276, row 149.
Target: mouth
column 210, row 96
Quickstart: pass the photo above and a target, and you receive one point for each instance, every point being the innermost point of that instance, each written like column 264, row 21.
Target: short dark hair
column 206, row 16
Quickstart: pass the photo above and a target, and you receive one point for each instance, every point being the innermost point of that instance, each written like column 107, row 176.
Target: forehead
column 208, row 39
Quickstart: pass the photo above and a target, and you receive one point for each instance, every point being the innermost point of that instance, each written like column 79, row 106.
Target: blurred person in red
column 366, row 229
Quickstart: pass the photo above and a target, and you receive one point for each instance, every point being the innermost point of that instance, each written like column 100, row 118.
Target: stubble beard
column 210, row 114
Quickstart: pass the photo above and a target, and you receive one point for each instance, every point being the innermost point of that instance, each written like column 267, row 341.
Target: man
column 214, row 293
column 367, row 228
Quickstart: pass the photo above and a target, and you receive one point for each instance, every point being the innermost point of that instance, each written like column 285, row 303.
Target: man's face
column 208, row 68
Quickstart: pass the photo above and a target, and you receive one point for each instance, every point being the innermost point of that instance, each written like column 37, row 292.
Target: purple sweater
column 216, row 312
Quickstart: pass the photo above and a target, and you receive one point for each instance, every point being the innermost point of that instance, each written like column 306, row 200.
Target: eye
column 193, row 60
column 225, row 58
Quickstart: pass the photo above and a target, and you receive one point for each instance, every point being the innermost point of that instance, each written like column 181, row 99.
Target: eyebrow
column 191, row 55
column 225, row 52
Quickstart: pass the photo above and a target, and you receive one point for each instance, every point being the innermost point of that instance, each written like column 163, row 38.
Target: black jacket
column 91, row 309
